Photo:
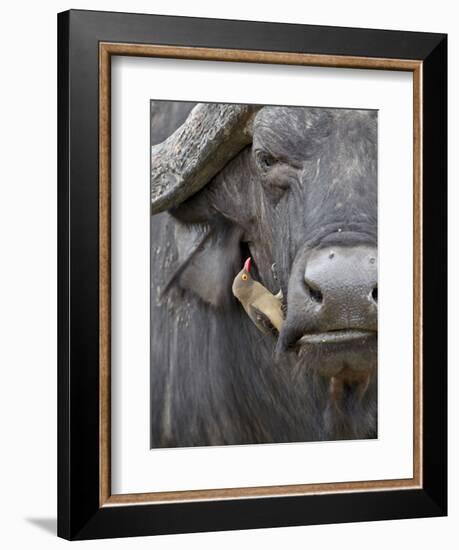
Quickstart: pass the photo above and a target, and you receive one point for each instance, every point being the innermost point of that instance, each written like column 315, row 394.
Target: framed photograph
column 252, row 274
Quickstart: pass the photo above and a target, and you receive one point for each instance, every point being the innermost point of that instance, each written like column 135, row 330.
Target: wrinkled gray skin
column 305, row 188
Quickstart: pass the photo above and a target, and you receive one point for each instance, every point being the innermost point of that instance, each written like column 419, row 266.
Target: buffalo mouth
column 339, row 352
column 339, row 336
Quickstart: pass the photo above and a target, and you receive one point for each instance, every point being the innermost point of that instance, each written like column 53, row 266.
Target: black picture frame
column 80, row 515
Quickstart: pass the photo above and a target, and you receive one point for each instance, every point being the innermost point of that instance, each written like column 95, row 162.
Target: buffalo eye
column 276, row 174
column 265, row 161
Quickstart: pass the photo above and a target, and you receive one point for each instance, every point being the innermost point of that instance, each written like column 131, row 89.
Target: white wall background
column 28, row 270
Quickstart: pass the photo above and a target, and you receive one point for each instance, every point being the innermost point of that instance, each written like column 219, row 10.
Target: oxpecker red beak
column 247, row 265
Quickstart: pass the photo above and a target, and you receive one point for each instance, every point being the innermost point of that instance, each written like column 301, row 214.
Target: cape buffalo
column 296, row 190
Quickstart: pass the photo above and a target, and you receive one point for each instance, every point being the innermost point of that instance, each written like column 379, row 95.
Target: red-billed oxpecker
column 263, row 307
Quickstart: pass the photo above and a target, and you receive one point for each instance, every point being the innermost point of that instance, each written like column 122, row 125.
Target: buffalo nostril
column 314, row 293
column 374, row 294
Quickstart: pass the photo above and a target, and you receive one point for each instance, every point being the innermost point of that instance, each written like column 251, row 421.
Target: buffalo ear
column 209, row 258
column 197, row 209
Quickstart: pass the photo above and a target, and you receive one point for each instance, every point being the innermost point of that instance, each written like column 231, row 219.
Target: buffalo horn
column 186, row 161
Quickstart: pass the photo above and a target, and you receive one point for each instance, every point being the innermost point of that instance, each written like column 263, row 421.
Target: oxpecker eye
column 244, row 277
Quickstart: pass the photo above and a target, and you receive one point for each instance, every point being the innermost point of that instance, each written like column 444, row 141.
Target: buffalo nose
column 341, row 282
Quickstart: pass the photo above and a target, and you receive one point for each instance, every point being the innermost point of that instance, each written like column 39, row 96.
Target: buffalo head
column 296, row 188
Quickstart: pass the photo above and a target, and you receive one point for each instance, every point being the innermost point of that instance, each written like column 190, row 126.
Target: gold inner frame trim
column 106, row 51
